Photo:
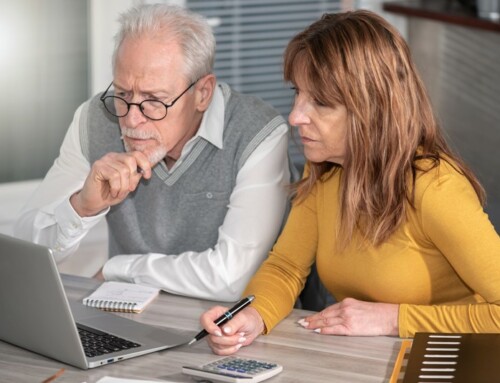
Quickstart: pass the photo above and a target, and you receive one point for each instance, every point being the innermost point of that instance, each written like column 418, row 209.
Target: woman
column 393, row 219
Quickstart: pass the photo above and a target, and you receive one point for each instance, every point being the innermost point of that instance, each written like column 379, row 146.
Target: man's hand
column 353, row 317
column 239, row 331
column 110, row 180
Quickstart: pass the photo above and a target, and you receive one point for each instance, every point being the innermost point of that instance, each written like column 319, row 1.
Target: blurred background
column 54, row 54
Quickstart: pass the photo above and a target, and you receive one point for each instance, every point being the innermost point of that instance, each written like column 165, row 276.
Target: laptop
column 35, row 314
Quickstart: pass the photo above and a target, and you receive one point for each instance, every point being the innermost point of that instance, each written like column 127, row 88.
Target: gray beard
column 158, row 154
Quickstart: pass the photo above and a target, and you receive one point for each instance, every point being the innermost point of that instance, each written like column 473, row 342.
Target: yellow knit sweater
column 442, row 265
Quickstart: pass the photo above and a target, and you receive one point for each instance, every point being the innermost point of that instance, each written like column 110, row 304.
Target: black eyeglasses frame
column 139, row 105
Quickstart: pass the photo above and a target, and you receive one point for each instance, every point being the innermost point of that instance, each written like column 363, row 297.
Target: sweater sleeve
column 281, row 278
column 454, row 221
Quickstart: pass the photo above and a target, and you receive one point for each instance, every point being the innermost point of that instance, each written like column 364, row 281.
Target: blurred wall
column 43, row 77
column 460, row 67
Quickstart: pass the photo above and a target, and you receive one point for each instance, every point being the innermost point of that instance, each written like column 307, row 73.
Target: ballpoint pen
column 228, row 315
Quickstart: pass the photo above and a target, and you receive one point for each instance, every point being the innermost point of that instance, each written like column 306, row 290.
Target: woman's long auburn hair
column 359, row 60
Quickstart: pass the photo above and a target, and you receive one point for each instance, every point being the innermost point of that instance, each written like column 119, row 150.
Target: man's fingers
column 120, row 172
column 111, row 179
column 110, row 175
column 136, row 166
column 143, row 165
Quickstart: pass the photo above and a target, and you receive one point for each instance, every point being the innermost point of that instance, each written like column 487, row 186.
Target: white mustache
column 138, row 134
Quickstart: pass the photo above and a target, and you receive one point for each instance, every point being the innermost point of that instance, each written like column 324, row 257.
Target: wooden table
column 305, row 355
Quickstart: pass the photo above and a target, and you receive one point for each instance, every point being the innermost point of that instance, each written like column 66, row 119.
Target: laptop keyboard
column 97, row 343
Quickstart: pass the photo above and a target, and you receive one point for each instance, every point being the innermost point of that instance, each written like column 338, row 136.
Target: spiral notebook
column 121, row 297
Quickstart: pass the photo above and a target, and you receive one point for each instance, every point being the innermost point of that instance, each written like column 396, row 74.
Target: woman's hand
column 239, row 331
column 353, row 317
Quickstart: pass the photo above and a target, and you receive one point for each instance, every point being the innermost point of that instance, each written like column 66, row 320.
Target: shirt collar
column 212, row 123
column 211, row 128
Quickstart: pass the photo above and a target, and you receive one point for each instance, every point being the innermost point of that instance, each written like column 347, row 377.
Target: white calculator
column 234, row 369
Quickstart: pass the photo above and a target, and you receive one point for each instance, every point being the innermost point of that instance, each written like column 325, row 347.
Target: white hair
column 190, row 30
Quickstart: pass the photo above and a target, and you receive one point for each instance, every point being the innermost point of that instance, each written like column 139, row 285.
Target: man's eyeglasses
column 152, row 109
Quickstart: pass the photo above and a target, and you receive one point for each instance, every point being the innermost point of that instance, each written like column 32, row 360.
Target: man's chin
column 154, row 156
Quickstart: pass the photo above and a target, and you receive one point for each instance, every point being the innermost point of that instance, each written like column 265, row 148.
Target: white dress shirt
column 256, row 208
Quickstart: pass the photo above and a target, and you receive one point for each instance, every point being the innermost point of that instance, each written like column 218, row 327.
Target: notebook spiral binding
column 124, row 307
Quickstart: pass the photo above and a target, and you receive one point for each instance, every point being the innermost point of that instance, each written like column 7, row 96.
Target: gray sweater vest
column 182, row 211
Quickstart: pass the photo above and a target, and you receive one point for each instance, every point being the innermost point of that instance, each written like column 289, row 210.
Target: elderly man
column 189, row 174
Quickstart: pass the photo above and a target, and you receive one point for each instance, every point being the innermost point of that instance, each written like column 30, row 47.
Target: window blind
column 251, row 36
